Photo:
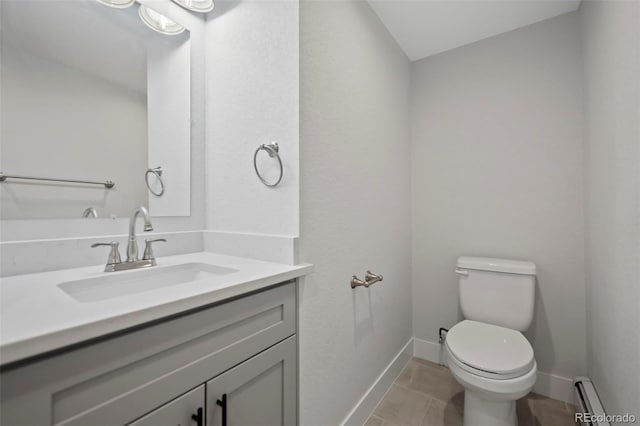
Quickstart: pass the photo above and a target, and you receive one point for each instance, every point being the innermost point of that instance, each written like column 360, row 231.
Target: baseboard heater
column 589, row 410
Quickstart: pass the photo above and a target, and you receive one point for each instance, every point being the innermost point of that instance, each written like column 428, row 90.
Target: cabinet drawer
column 124, row 377
column 178, row 412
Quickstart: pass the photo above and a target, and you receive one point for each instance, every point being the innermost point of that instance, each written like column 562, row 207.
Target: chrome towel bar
column 107, row 184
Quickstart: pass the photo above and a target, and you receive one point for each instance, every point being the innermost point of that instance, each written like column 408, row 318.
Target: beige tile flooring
column 426, row 394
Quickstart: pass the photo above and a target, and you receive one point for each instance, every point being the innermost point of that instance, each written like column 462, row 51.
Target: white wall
column 497, row 171
column 252, row 99
column 354, row 206
column 611, row 36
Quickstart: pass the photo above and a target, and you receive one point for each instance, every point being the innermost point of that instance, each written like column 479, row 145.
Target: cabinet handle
column 223, row 404
column 198, row 417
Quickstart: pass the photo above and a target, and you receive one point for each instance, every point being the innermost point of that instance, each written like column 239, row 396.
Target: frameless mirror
column 92, row 95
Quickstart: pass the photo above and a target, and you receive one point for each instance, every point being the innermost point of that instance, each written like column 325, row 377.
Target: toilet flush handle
column 462, row 272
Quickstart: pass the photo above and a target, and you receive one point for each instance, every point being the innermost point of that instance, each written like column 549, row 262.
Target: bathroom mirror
column 92, row 93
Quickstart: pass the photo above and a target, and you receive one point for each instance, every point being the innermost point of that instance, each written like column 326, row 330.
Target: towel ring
column 158, row 172
column 271, row 149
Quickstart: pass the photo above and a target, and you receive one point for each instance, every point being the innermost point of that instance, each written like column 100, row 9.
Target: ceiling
column 425, row 27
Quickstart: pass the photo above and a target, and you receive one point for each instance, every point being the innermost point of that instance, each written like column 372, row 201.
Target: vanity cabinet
column 242, row 352
column 185, row 410
column 258, row 392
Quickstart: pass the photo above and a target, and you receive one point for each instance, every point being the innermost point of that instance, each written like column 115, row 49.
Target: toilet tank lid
column 522, row 267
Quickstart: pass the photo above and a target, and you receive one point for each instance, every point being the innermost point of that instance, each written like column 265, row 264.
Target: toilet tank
column 497, row 291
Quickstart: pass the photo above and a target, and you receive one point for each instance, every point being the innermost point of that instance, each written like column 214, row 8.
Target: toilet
column 486, row 352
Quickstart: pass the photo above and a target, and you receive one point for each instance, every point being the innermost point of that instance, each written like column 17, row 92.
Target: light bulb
column 158, row 22
column 201, row 6
column 120, row 4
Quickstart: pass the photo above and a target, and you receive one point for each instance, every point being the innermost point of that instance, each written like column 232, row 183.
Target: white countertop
column 36, row 316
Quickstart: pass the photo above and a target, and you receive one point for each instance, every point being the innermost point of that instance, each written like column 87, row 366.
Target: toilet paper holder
column 369, row 280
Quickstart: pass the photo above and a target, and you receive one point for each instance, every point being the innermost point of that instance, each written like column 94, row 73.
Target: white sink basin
column 118, row 284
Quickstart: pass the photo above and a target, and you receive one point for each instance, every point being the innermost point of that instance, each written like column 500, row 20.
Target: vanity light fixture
column 158, row 22
column 120, row 4
column 201, row 6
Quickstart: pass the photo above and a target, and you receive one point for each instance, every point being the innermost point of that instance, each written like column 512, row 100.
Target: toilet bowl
column 496, row 367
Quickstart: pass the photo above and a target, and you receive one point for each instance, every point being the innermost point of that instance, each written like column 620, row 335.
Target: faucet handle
column 114, row 254
column 148, row 250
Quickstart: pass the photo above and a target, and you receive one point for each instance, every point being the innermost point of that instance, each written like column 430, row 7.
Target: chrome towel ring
column 273, row 150
column 157, row 171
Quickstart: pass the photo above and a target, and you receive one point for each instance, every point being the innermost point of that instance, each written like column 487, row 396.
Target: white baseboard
column 550, row 385
column 365, row 406
column 556, row 387
column 430, row 351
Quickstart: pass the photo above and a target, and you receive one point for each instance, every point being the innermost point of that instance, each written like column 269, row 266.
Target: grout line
column 373, row 412
column 426, row 411
column 417, row 391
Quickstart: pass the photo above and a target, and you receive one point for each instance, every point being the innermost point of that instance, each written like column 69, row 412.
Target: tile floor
column 426, row 394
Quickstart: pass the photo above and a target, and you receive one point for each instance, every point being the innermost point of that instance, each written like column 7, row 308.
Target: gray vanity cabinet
column 258, row 392
column 159, row 373
column 186, row 410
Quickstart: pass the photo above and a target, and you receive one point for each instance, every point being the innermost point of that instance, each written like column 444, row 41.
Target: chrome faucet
column 133, row 261
column 132, row 244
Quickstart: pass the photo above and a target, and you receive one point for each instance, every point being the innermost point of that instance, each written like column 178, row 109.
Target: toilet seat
column 489, row 351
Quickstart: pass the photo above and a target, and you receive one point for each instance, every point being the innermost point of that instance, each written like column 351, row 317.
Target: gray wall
column 354, row 154
column 611, row 35
column 497, row 171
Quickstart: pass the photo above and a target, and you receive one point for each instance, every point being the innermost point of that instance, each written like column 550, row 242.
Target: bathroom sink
column 118, row 284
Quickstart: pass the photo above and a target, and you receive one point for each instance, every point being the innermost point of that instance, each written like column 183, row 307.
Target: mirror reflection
column 93, row 94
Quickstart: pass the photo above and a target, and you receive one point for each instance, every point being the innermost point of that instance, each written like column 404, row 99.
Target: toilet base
column 488, row 412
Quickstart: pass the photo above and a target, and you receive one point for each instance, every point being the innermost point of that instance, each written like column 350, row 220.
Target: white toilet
column 487, row 353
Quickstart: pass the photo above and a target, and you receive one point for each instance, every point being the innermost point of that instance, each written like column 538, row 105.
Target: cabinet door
column 261, row 391
column 186, row 410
